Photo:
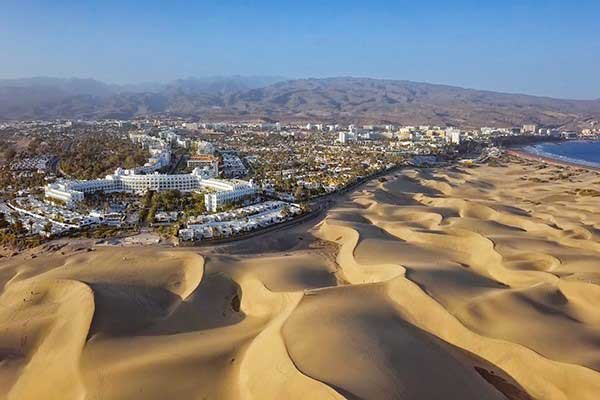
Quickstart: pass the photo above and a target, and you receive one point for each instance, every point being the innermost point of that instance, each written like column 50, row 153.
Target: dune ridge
column 477, row 283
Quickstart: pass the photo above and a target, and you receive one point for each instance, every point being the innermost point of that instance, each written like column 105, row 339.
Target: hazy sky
column 544, row 47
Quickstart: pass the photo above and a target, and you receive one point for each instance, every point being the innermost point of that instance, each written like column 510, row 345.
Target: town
column 191, row 181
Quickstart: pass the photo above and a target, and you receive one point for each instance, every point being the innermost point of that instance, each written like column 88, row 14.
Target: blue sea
column 579, row 152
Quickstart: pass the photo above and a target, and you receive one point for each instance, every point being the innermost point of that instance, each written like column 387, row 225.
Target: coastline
column 523, row 153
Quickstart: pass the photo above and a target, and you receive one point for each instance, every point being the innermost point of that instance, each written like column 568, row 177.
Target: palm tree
column 285, row 212
column 17, row 226
column 48, row 227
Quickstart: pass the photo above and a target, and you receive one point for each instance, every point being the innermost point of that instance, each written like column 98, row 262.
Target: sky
column 549, row 48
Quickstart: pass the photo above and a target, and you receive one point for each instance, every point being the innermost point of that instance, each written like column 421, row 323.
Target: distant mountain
column 343, row 100
column 220, row 84
column 47, row 98
column 391, row 101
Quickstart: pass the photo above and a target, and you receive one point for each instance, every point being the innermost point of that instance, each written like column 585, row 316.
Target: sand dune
column 478, row 283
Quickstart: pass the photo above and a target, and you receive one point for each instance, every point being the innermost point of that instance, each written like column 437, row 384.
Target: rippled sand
column 477, row 283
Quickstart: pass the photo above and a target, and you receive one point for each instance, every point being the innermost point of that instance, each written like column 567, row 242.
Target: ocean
column 578, row 152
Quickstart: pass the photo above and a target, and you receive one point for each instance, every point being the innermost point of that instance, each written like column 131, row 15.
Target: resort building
column 225, row 192
column 145, row 178
column 63, row 192
column 127, row 180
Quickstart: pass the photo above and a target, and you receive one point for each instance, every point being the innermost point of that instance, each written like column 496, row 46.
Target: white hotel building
column 225, row 191
column 222, row 191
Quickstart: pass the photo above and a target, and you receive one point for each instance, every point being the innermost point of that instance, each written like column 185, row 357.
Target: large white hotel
column 142, row 179
column 219, row 191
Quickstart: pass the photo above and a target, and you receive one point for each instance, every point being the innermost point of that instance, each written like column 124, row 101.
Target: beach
column 531, row 153
column 452, row 283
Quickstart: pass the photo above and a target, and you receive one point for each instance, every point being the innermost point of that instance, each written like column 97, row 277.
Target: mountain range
column 237, row 98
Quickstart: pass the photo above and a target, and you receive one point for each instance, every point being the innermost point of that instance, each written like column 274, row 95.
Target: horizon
column 510, row 48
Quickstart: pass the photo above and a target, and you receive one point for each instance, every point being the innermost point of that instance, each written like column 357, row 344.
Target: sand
column 457, row 283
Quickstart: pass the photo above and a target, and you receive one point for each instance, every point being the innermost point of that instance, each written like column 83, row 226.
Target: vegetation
column 13, row 235
column 190, row 204
column 102, row 232
column 94, row 156
column 145, row 203
column 194, row 204
column 19, row 182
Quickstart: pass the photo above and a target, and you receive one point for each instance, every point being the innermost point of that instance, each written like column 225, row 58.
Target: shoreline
column 522, row 153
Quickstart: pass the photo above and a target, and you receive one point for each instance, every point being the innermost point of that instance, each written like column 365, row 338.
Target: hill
column 343, row 100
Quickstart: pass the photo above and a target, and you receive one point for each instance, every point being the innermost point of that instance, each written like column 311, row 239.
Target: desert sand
column 455, row 283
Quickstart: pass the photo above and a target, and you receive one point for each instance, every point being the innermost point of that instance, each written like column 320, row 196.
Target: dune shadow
column 399, row 370
column 131, row 310
column 126, row 309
